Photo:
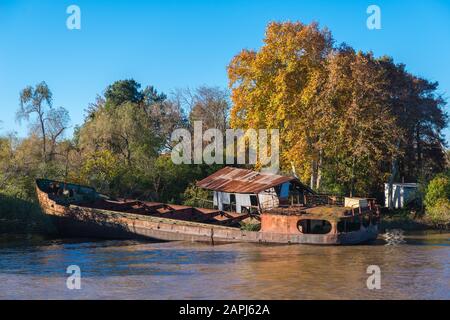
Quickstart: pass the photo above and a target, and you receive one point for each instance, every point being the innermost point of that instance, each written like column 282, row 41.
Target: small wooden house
column 242, row 190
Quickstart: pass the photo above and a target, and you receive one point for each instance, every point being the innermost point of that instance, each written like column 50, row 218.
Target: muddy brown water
column 35, row 268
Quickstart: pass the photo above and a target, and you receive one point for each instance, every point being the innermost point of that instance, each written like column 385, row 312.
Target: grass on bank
column 412, row 220
column 21, row 216
column 250, row 224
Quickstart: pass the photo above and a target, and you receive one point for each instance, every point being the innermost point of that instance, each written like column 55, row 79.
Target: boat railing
column 203, row 203
column 315, row 200
column 312, row 200
column 308, row 201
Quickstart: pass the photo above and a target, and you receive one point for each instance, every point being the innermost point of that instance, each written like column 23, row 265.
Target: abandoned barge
column 288, row 213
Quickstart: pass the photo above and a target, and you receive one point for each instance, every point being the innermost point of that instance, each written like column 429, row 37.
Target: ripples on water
column 34, row 268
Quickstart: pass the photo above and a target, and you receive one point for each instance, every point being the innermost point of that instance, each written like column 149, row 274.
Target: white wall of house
column 221, row 198
column 268, row 199
column 242, row 200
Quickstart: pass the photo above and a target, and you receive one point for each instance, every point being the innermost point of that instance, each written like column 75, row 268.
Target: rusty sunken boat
column 288, row 212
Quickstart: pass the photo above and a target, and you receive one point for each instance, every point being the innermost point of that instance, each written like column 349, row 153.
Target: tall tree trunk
column 391, row 182
column 44, row 137
column 313, row 174
column 319, row 170
column 352, row 178
column 419, row 153
column 394, row 172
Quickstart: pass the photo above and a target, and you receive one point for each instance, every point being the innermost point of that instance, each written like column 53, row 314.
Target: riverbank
column 21, row 216
column 406, row 220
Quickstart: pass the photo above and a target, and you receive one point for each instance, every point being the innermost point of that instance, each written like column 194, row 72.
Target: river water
column 35, row 268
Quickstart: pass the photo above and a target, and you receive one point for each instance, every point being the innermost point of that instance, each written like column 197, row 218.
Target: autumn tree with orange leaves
column 348, row 121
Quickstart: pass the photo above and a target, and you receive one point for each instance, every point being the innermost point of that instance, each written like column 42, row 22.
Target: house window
column 254, row 200
column 310, row 226
column 233, row 202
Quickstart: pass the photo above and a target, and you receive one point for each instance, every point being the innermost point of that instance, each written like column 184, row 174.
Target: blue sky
column 172, row 44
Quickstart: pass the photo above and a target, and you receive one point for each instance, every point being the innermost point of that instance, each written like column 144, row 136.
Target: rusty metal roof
column 235, row 180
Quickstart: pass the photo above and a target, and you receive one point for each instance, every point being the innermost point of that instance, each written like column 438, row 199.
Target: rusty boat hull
column 122, row 220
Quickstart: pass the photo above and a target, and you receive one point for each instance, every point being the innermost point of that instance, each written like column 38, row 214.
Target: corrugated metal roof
column 235, row 180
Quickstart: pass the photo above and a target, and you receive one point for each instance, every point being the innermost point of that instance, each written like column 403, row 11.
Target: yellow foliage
column 330, row 105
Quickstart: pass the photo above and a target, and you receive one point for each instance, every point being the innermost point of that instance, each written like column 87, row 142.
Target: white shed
column 402, row 194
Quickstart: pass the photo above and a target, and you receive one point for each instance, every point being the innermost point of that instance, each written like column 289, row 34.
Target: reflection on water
column 35, row 267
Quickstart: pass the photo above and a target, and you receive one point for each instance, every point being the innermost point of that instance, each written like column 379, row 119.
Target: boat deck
column 162, row 210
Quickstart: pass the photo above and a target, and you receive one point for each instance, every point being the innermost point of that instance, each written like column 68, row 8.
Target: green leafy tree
column 439, row 213
column 438, row 188
column 129, row 91
column 48, row 122
column 197, row 197
column 100, row 169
